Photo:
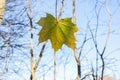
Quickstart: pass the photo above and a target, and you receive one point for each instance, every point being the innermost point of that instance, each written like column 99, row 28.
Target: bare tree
column 92, row 54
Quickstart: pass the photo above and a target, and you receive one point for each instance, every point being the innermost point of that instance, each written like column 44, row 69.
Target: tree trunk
column 78, row 65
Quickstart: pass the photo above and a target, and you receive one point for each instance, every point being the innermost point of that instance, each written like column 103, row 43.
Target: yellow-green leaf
column 59, row 32
column 2, row 8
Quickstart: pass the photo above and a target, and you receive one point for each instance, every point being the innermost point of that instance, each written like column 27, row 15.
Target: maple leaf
column 59, row 32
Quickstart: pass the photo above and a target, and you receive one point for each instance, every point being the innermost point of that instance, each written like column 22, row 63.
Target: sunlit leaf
column 59, row 32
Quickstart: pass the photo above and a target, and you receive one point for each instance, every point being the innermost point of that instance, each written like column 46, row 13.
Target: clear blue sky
column 85, row 11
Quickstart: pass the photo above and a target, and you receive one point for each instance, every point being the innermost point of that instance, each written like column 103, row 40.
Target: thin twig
column 56, row 9
column 54, row 65
column 61, row 9
column 107, row 38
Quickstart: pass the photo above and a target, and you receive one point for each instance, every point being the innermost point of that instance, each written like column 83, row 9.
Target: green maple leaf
column 59, row 32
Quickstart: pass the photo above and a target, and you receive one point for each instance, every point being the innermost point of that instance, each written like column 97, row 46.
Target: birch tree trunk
column 2, row 9
column 75, row 52
column 31, row 42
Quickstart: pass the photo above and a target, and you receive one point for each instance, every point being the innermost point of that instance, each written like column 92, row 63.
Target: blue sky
column 85, row 11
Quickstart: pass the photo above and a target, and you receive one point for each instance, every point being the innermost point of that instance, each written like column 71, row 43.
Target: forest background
column 97, row 45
